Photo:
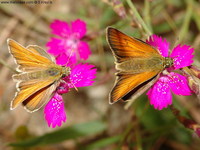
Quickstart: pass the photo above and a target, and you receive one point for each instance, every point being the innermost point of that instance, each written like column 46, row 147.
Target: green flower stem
column 139, row 18
column 188, row 123
column 147, row 16
column 4, row 64
column 187, row 19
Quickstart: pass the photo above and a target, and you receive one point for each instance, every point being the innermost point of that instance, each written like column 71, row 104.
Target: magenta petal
column 54, row 111
column 182, row 56
column 84, row 50
column 160, row 95
column 55, row 46
column 197, row 131
column 179, row 84
column 82, row 75
column 65, row 60
column 61, row 59
column 60, row 28
column 72, row 60
column 160, row 44
column 79, row 28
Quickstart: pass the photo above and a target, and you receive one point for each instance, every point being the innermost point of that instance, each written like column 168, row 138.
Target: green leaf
column 103, row 143
column 72, row 132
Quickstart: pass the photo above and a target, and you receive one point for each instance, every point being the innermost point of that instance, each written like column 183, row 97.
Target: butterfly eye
column 63, row 75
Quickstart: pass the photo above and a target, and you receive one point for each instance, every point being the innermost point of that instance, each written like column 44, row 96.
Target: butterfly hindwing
column 28, row 88
column 126, row 83
column 39, row 51
column 39, row 98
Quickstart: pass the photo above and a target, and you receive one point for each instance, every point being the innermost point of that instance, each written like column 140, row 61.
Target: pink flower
column 68, row 46
column 81, row 75
column 160, row 94
column 197, row 131
column 55, row 111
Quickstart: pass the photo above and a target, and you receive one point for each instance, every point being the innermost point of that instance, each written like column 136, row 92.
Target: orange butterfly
column 138, row 65
column 38, row 77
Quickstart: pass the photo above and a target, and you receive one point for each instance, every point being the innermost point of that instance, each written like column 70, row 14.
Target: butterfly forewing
column 28, row 60
column 125, row 47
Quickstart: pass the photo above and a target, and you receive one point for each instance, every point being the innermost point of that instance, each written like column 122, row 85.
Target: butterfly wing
column 27, row 59
column 32, row 61
column 39, row 51
column 135, row 93
column 124, row 47
column 39, row 98
column 26, row 89
column 126, row 83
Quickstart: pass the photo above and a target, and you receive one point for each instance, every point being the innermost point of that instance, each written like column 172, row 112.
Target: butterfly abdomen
column 37, row 74
column 138, row 65
column 29, row 75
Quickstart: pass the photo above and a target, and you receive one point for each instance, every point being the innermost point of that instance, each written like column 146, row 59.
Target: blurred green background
column 92, row 123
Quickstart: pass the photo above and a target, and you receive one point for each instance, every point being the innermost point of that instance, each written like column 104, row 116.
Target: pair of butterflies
column 137, row 64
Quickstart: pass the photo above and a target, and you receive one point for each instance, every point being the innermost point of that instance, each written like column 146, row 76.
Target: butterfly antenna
column 74, row 87
column 177, row 41
column 70, row 56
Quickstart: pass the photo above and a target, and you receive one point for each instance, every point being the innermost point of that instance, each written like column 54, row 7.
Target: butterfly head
column 65, row 71
column 168, row 62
